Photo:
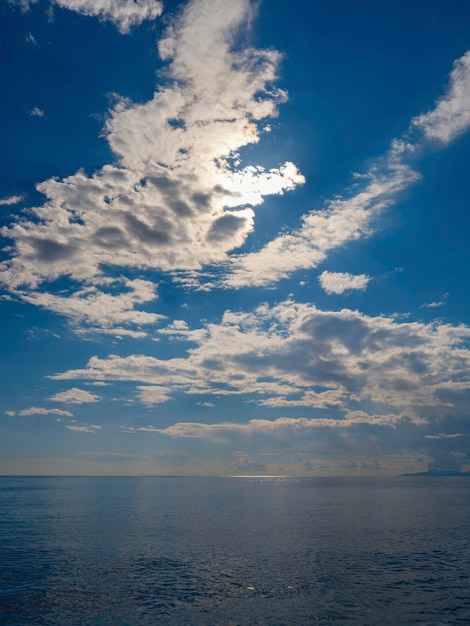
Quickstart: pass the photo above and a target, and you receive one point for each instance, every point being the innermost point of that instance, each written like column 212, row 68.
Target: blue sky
column 234, row 237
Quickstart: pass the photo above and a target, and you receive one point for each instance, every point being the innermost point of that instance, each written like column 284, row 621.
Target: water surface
column 234, row 551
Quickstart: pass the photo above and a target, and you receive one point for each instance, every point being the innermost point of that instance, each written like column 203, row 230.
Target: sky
column 234, row 237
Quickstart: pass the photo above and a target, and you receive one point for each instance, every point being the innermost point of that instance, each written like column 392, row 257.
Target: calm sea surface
column 234, row 551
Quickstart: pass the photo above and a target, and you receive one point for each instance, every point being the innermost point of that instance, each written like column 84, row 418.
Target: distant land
column 438, row 472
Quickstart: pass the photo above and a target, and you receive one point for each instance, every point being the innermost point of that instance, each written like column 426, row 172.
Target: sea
column 234, row 551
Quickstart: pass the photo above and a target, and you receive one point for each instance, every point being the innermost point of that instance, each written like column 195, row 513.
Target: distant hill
column 438, row 472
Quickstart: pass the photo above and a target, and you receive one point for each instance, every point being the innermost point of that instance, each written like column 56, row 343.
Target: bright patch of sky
column 245, row 227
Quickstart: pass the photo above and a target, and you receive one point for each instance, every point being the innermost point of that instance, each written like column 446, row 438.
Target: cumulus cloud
column 75, row 396
column 92, row 309
column 153, row 394
column 298, row 355
column 177, row 197
column 341, row 282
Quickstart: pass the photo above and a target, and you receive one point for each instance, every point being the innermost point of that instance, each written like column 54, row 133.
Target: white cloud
column 83, row 429
column 93, row 309
column 297, row 355
column 177, row 198
column 30, row 38
column 179, row 329
column 153, row 394
column 123, row 13
column 447, row 436
column 436, row 304
column 9, row 200
column 75, row 396
column 343, row 220
column 346, row 219
column 451, row 116
column 329, row 399
column 36, row 112
column 226, row 430
column 34, row 410
column 340, row 282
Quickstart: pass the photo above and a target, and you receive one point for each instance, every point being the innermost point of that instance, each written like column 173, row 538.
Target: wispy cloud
column 447, row 436
column 341, row 221
column 83, row 429
column 351, row 217
column 10, row 200
column 35, row 410
column 435, row 304
column 31, row 39
column 451, row 116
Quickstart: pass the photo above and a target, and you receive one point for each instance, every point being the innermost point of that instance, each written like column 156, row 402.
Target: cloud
column 123, row 13
column 83, row 429
column 434, row 305
column 179, row 329
column 93, row 309
column 331, row 398
column 340, row 282
column 9, row 200
column 295, row 354
column 34, row 410
column 177, row 197
column 151, row 395
column 451, row 116
column 75, row 396
column 36, row 112
column 351, row 216
column 447, row 436
column 341, row 221
column 109, row 457
column 31, row 39
column 225, row 431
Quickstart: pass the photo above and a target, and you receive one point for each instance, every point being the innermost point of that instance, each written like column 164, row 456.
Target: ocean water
column 234, row 551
